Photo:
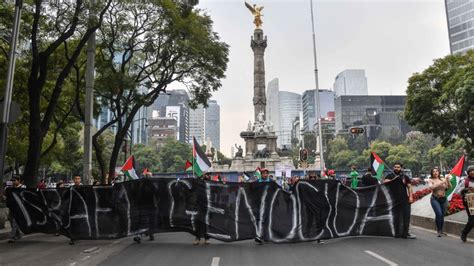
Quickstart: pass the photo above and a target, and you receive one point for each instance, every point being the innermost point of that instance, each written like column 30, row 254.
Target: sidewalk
column 5, row 232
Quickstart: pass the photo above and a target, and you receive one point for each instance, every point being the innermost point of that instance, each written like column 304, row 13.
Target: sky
column 391, row 40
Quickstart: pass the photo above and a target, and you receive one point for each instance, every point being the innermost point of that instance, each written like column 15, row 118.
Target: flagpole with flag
column 200, row 161
column 128, row 169
column 456, row 174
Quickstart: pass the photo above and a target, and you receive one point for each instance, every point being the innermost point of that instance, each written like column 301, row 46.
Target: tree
column 138, row 59
column 146, row 157
column 440, row 100
column 54, row 25
column 173, row 156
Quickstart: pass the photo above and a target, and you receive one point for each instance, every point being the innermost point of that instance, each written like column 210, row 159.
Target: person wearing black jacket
column 368, row 180
column 402, row 186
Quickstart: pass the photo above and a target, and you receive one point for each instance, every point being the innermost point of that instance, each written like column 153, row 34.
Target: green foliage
column 173, row 156
column 146, row 157
column 440, row 99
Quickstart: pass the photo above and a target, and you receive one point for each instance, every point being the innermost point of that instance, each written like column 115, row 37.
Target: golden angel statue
column 257, row 13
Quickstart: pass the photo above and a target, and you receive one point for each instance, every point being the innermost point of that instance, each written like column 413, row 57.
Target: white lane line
column 85, row 258
column 90, row 250
column 377, row 256
column 215, row 261
column 72, row 264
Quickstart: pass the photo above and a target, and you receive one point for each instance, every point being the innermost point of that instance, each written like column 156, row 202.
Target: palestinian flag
column 145, row 171
column 377, row 165
column 258, row 173
column 200, row 162
column 188, row 166
column 456, row 174
column 128, row 169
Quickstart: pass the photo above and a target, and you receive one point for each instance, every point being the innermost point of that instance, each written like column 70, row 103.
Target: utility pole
column 89, row 99
column 7, row 100
column 318, row 101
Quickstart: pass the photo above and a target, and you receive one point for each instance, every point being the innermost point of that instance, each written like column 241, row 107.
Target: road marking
column 72, row 264
column 85, row 258
column 90, row 250
column 375, row 255
column 215, row 261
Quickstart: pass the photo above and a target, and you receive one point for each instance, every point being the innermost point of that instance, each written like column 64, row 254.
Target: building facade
column 272, row 108
column 326, row 98
column 351, row 82
column 460, row 18
column 174, row 104
column 161, row 128
column 289, row 108
column 377, row 114
column 213, row 124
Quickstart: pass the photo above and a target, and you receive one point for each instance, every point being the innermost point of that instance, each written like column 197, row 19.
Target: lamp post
column 5, row 112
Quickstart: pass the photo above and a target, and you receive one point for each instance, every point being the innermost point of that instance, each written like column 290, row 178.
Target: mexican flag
column 188, row 166
column 377, row 165
column 128, row 169
column 456, row 174
column 200, row 162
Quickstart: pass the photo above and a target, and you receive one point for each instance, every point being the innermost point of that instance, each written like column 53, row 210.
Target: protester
column 264, row 173
column 403, row 188
column 354, row 177
column 438, row 199
column 41, row 185
column 201, row 227
column 368, row 180
column 467, row 186
column 15, row 233
column 77, row 180
column 312, row 175
column 60, row 184
column 96, row 183
column 332, row 174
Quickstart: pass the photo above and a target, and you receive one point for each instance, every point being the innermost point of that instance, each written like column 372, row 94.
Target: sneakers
column 411, row 236
column 207, row 242
column 152, row 237
column 196, row 242
column 13, row 241
column 463, row 237
column 137, row 239
column 71, row 242
column 258, row 240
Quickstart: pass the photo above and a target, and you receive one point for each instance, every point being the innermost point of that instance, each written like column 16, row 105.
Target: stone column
column 258, row 44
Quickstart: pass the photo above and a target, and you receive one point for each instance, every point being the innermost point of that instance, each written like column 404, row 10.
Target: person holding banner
column 466, row 187
column 438, row 199
column 15, row 233
column 403, row 186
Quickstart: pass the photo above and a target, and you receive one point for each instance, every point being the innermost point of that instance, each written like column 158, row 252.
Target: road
column 176, row 249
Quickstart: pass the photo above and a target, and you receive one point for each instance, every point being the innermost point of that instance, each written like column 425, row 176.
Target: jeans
column 439, row 206
column 15, row 233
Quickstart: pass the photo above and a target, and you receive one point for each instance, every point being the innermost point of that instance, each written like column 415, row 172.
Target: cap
column 470, row 168
column 331, row 172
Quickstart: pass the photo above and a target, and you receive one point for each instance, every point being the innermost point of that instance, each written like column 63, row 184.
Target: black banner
column 311, row 210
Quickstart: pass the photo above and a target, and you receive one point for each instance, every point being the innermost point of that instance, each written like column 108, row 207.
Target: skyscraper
column 213, row 123
column 272, row 111
column 326, row 98
column 351, row 82
column 289, row 109
column 204, row 124
column 460, row 17
column 174, row 104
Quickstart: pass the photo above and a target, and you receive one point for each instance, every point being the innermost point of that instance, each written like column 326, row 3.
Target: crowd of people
column 437, row 183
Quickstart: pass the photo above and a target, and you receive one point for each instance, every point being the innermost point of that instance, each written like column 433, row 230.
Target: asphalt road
column 176, row 249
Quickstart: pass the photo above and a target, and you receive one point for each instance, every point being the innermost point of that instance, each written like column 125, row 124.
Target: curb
column 450, row 227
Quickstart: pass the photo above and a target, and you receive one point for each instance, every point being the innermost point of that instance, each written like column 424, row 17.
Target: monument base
column 249, row 165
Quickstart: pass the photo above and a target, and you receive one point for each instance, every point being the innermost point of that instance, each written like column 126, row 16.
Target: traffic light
column 303, row 155
column 356, row 130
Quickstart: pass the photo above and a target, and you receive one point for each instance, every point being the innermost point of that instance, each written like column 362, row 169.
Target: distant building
column 204, row 124
column 174, row 104
column 326, row 98
column 460, row 17
column 378, row 114
column 296, row 128
column 289, row 109
column 351, row 82
column 328, row 127
column 161, row 128
column 213, row 124
column 272, row 107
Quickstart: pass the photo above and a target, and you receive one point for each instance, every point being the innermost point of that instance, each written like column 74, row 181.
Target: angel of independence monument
column 260, row 139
